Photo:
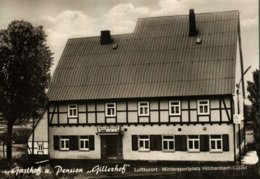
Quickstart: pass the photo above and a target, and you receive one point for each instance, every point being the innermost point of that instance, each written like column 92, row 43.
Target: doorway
column 111, row 146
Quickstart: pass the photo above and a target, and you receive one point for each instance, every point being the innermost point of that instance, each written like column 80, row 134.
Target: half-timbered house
column 38, row 140
column 167, row 91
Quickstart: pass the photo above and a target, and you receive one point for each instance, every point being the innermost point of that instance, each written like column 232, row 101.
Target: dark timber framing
column 219, row 99
column 86, row 113
column 225, row 107
column 220, row 111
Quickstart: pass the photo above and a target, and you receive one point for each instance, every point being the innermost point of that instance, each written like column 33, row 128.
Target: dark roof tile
column 159, row 59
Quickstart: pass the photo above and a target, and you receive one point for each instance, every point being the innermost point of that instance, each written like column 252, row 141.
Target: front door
column 111, row 146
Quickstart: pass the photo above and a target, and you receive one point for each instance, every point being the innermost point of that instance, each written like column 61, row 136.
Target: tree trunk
column 33, row 141
column 9, row 140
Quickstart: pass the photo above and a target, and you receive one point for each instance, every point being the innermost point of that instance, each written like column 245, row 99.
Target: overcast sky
column 63, row 19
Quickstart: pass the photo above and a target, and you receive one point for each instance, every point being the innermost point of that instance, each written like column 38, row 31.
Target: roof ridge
column 97, row 36
column 200, row 73
column 152, row 17
column 187, row 14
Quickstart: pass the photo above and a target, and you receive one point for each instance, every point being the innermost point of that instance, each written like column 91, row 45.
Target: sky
column 64, row 19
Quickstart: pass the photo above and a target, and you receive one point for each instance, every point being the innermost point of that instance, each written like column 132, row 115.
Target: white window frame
column 174, row 106
column 216, row 140
column 193, row 140
column 144, row 141
column 203, row 107
column 72, row 107
column 168, row 140
column 142, row 105
column 40, row 147
column 112, row 108
column 84, row 139
column 63, row 141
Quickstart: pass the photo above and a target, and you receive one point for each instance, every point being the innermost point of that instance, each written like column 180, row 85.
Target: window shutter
column 204, row 143
column 180, row 143
column 225, row 142
column 152, row 142
column 56, row 142
column 177, row 143
column 134, row 143
column 91, row 142
column 74, row 142
column 158, row 139
column 155, row 142
column 184, row 143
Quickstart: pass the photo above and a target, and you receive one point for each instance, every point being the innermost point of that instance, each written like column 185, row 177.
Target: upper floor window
column 40, row 147
column 193, row 143
column 64, row 143
column 143, row 143
column 168, row 143
column 143, row 108
column 203, row 107
column 216, row 143
column 175, row 107
column 72, row 110
column 110, row 109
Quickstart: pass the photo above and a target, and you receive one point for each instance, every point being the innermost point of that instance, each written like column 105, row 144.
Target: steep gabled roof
column 158, row 60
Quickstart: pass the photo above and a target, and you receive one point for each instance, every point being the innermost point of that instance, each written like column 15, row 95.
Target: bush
column 21, row 135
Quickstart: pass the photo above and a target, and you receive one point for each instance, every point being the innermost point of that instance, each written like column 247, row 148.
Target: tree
column 25, row 62
column 253, row 89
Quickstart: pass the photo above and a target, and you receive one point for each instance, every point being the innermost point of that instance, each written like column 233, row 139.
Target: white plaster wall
column 154, row 104
column 35, row 151
column 121, row 105
column 128, row 154
column 121, row 117
column 133, row 114
column 57, row 154
column 40, row 132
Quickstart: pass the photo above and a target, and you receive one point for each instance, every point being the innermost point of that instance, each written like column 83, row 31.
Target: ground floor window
column 168, row 143
column 143, row 143
column 64, row 143
column 193, row 143
column 216, row 143
column 190, row 143
column 74, row 142
column 84, row 143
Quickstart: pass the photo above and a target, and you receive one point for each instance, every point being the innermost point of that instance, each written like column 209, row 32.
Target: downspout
column 241, row 59
column 242, row 77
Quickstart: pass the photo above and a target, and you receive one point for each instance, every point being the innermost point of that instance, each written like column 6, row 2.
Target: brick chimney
column 105, row 37
column 192, row 24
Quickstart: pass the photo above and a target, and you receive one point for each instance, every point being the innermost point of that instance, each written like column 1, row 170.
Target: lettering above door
column 108, row 129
